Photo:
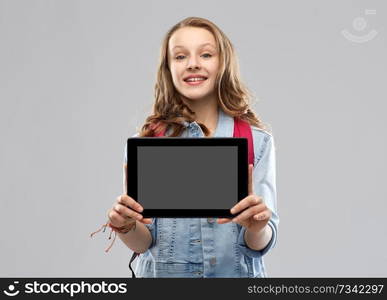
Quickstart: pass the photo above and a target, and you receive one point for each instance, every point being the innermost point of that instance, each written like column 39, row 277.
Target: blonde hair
column 169, row 111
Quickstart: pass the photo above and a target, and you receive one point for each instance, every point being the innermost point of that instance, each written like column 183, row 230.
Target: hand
column 255, row 213
column 125, row 212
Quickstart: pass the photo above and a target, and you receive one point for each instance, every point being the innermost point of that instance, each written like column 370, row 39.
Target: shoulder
column 261, row 134
column 263, row 141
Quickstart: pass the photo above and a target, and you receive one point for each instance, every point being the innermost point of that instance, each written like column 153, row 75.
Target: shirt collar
column 224, row 127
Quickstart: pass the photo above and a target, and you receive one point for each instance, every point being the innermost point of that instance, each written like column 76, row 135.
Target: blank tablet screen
column 187, row 177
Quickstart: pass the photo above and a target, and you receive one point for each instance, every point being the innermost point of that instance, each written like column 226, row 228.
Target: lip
column 195, row 76
column 193, row 83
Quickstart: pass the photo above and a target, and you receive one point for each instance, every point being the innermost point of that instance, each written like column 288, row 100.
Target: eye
column 208, row 55
column 180, row 57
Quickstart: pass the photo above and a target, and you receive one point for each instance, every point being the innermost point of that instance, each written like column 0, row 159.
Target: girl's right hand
column 125, row 211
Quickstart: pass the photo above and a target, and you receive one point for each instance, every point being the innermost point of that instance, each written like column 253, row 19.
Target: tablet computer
column 176, row 177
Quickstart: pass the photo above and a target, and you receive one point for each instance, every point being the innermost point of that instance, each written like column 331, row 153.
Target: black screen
column 187, row 177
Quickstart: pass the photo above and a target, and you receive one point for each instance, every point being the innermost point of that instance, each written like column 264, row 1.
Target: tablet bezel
column 131, row 172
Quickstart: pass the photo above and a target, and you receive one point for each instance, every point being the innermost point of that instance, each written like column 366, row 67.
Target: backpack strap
column 134, row 255
column 243, row 129
column 160, row 134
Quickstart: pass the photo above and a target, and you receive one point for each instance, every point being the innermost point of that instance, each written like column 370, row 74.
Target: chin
column 195, row 96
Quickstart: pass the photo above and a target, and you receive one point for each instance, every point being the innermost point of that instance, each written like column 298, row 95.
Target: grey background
column 76, row 80
column 187, row 177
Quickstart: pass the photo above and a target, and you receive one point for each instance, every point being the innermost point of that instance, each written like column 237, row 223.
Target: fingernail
column 232, row 210
column 140, row 208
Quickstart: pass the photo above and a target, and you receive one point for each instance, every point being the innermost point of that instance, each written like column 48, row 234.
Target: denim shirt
column 200, row 247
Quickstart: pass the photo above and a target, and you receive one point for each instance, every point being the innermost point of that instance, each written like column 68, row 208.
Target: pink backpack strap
column 162, row 133
column 243, row 129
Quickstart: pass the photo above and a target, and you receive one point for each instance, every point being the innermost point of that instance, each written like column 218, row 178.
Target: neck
column 206, row 111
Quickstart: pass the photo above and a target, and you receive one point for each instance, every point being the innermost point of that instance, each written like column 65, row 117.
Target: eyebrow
column 200, row 46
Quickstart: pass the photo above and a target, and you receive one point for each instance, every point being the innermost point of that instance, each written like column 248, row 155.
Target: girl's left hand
column 255, row 213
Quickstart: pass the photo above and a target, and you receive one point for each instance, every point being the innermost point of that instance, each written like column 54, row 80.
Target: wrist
column 257, row 240
column 124, row 229
column 264, row 230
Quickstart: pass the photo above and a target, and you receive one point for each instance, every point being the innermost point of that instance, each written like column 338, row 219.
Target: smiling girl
column 198, row 93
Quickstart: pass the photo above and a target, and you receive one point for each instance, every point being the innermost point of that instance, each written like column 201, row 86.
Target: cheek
column 214, row 68
column 176, row 77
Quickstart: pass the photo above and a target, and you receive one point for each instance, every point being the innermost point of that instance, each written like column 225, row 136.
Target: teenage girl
column 199, row 93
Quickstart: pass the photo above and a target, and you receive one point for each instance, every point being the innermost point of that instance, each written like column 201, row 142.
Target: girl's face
column 192, row 53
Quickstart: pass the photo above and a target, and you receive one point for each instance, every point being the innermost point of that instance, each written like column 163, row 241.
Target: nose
column 193, row 63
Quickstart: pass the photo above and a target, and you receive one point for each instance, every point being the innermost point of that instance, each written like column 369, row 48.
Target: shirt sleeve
column 264, row 176
column 152, row 226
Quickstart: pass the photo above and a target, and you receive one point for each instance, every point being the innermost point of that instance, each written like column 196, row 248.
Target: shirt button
column 213, row 261
column 210, row 220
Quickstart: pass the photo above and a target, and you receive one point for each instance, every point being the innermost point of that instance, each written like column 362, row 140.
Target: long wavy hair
column 169, row 111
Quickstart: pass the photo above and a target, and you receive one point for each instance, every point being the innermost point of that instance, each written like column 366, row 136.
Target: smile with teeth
column 196, row 79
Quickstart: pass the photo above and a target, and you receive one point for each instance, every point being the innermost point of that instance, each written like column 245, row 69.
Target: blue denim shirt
column 200, row 247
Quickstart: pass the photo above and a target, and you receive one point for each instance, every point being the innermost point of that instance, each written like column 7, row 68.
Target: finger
column 223, row 220
column 246, row 202
column 249, row 213
column 146, row 221
column 127, row 212
column 251, row 188
column 115, row 218
column 129, row 202
column 265, row 215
